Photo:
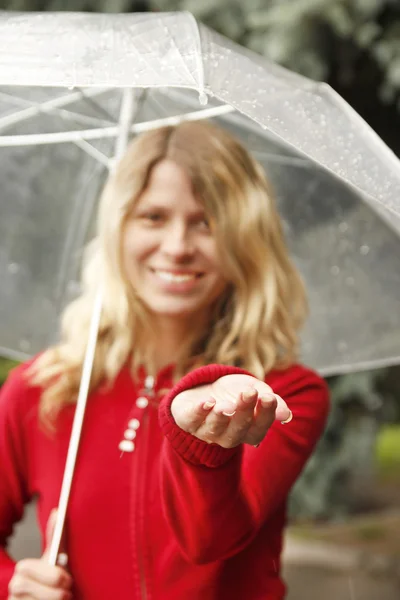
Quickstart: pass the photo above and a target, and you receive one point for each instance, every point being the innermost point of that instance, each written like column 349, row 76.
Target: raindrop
column 13, row 268
column 203, row 99
column 73, row 288
column 350, row 280
column 343, row 227
column 351, row 589
column 364, row 249
column 335, row 270
column 25, row 345
column 342, row 346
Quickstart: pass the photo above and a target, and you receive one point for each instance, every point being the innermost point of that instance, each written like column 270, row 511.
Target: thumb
column 62, row 558
column 51, row 523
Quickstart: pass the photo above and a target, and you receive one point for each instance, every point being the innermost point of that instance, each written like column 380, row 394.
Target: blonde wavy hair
column 255, row 324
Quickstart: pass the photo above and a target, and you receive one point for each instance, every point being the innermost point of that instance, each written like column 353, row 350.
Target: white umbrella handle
column 76, row 430
column 126, row 114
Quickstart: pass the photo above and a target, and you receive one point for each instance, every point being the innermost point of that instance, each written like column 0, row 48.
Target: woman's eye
column 204, row 224
column 153, row 217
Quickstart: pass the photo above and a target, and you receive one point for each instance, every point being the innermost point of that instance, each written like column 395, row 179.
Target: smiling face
column 169, row 252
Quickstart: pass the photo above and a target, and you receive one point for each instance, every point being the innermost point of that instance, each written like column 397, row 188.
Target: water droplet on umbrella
column 335, row 270
column 203, row 99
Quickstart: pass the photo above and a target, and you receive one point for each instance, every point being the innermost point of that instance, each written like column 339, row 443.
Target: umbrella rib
column 107, row 132
column 137, row 39
column 199, row 61
column 29, row 104
column 281, row 159
column 72, row 115
column 94, row 152
column 181, row 58
column 22, row 115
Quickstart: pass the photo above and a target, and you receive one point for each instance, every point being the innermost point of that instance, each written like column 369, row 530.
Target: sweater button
column 134, row 424
column 126, row 446
column 130, row 434
column 142, row 402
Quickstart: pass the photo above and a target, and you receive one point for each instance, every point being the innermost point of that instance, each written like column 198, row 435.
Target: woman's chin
column 175, row 310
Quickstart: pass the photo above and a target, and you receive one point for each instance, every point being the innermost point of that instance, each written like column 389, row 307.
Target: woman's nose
column 178, row 242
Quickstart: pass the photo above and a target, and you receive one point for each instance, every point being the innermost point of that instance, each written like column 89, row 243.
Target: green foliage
column 5, row 366
column 304, row 35
column 388, row 450
column 342, row 467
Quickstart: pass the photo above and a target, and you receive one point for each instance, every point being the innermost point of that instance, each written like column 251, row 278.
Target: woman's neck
column 170, row 342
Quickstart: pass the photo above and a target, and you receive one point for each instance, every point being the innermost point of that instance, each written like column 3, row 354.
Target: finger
column 242, row 420
column 22, row 587
column 265, row 415
column 244, row 415
column 225, row 406
column 228, row 428
column 247, row 401
column 41, row 572
column 192, row 415
column 213, row 427
column 283, row 412
column 51, row 523
column 62, row 558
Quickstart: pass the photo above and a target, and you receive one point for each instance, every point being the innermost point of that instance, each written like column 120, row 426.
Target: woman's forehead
column 170, row 187
column 168, row 173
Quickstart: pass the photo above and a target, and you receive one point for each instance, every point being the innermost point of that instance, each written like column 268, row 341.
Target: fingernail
column 268, row 401
column 62, row 559
column 228, row 409
column 248, row 394
column 225, row 408
column 290, row 417
column 209, row 404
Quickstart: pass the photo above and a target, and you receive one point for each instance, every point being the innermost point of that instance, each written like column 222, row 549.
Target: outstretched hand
column 235, row 409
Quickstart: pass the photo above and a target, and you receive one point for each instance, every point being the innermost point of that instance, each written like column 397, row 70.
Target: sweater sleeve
column 13, row 470
column 216, row 499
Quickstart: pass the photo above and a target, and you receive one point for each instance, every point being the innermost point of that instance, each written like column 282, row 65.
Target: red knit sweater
column 176, row 518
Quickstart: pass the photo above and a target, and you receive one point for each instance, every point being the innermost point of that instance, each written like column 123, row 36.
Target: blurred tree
column 340, row 476
column 76, row 5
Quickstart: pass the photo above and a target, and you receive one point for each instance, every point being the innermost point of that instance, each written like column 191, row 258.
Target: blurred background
column 344, row 536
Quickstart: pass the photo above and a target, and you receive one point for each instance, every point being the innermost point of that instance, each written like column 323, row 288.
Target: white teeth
column 174, row 277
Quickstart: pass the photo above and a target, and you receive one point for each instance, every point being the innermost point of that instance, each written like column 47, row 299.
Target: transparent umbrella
column 63, row 81
column 75, row 87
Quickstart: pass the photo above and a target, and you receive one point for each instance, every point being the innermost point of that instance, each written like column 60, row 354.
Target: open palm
column 235, row 409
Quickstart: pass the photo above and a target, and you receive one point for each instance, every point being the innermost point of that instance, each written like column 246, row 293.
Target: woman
column 188, row 449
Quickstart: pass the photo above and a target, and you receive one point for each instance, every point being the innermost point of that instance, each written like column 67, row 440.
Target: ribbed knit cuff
column 7, row 568
column 187, row 445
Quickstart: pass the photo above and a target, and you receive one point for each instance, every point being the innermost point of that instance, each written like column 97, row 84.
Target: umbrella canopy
column 63, row 82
